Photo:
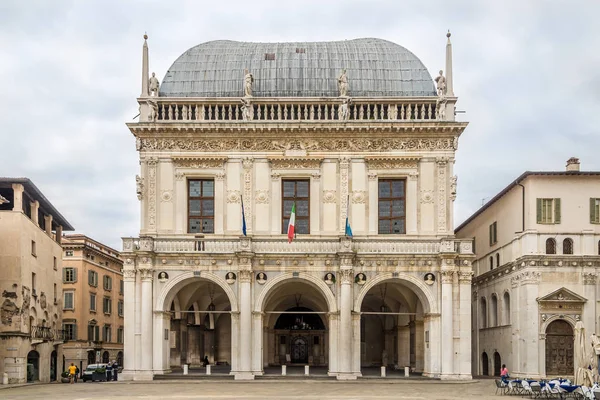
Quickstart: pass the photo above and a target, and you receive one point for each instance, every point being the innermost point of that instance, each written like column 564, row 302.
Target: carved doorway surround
column 299, row 350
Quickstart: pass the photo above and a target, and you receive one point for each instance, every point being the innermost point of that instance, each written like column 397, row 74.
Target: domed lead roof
column 375, row 67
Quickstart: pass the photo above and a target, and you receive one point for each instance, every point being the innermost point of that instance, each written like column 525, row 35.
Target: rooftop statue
column 246, row 110
column 248, row 82
column 343, row 83
column 344, row 111
column 153, row 115
column 153, row 85
column 441, row 84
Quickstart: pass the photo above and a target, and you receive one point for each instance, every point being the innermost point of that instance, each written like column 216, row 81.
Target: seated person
column 504, row 373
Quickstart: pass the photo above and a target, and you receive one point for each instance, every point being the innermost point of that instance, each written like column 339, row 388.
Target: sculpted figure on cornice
column 343, row 83
column 248, row 83
column 153, row 85
column 344, row 113
column 153, row 105
column 337, row 145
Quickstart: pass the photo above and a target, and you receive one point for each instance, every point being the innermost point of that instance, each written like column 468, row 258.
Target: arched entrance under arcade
column 559, row 349
column 295, row 321
column 33, row 366
column 397, row 325
column 199, row 324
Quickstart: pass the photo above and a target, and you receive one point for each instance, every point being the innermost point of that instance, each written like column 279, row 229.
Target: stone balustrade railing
column 171, row 109
column 313, row 246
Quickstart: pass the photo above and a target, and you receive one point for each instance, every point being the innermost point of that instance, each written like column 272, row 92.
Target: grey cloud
column 526, row 72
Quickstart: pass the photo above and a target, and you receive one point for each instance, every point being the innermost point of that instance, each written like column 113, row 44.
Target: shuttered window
column 493, row 233
column 69, row 275
column 548, row 211
column 594, row 211
column 68, row 302
column 93, row 278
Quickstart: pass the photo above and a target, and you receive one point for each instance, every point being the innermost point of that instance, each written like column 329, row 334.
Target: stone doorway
column 485, row 364
column 559, row 349
column 299, row 350
column 53, row 365
column 497, row 363
column 33, row 366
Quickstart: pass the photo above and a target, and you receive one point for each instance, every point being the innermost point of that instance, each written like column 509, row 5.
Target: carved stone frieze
column 199, row 162
column 525, row 278
column 247, row 165
column 262, row 197
column 391, row 162
column 146, row 244
column 233, row 196
column 441, row 193
column 589, row 278
column 344, row 176
column 257, row 144
column 359, row 196
column 329, row 196
column 295, row 163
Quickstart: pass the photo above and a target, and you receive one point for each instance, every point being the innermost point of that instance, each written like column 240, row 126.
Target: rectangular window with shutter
column 594, row 211
column 92, row 302
column 493, row 233
column 548, row 211
column 107, row 305
column 69, row 275
column 68, row 303
column 70, row 331
column 93, row 278
column 107, row 282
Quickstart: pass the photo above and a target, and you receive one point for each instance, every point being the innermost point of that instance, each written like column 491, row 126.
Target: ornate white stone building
column 537, row 246
column 344, row 130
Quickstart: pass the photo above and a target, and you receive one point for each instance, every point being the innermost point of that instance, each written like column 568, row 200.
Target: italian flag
column 292, row 223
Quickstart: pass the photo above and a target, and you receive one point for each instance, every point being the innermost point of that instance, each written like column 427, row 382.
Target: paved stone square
column 231, row 390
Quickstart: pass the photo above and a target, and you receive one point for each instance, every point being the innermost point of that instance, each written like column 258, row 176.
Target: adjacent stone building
column 537, row 246
column 31, row 336
column 345, row 133
column 92, row 289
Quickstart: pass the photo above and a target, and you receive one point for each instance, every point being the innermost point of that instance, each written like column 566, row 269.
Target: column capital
column 447, row 276
column 146, row 274
column 346, row 276
column 465, row 277
column 245, row 275
column 129, row 275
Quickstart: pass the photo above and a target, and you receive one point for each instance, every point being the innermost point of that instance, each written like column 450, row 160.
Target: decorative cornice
column 295, row 163
column 257, row 144
column 378, row 162
column 199, row 162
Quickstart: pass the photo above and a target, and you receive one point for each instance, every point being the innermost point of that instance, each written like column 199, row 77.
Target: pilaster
column 35, row 206
column 48, row 224
column 18, row 190
column 447, row 339
column 129, row 347
column 245, row 348
column 412, row 201
column 146, row 272
column 346, row 275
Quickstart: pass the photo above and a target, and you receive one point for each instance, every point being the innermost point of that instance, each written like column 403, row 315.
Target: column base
column 346, row 376
column 143, row 376
column 452, row 377
column 162, row 371
column 244, row 376
column 126, row 375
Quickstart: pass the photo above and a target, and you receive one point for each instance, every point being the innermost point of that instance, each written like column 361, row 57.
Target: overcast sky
column 526, row 72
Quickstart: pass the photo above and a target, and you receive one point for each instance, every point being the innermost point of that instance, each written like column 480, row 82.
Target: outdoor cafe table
column 569, row 388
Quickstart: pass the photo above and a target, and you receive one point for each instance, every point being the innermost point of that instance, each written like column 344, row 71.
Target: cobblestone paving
column 284, row 390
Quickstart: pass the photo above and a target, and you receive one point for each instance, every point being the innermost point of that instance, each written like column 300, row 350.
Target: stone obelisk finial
column 449, row 84
column 145, row 75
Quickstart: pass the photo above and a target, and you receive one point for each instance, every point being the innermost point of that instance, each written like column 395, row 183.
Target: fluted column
column 245, row 369
column 146, row 348
column 129, row 316
column 447, row 337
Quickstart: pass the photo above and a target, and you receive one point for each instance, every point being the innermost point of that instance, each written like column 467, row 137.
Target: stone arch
column 167, row 294
column 564, row 317
column 177, row 307
column 283, row 278
column 412, row 282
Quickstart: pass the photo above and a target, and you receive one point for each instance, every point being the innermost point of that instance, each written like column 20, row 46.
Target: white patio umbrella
column 583, row 376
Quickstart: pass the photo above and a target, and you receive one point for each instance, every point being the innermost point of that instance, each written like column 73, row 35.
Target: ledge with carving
column 552, row 263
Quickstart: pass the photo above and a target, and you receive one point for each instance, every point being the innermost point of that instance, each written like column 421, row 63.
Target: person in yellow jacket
column 72, row 372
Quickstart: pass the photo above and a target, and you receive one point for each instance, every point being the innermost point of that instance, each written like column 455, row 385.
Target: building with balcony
column 537, row 246
column 30, row 260
column 353, row 142
column 92, row 290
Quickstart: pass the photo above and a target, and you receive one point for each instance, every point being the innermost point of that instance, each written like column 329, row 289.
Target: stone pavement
column 283, row 390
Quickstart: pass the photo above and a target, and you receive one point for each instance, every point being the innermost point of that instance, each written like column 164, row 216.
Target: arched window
column 491, row 262
column 506, row 308
column 568, row 246
column 550, row 246
column 485, row 365
column 494, row 310
column 483, row 313
column 497, row 260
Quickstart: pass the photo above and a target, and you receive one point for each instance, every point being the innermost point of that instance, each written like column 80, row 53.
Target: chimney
column 573, row 164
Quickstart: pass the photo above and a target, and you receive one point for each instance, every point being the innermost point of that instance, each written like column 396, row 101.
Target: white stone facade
column 534, row 271
column 325, row 299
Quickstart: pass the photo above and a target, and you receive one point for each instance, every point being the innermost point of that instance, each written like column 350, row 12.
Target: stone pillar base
column 346, row 376
column 126, row 376
column 450, row 377
column 143, row 376
column 244, row 376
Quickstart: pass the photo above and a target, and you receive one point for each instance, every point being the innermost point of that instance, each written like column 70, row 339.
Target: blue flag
column 243, row 217
column 348, row 229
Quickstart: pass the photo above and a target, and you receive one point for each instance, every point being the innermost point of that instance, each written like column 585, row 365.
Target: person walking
column 72, row 372
column 76, row 373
